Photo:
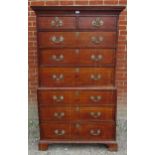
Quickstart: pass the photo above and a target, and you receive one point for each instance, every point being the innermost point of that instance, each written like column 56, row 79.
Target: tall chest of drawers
column 77, row 96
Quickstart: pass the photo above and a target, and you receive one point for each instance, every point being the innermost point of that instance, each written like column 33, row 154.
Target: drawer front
column 72, row 97
column 77, row 57
column 76, row 77
column 78, row 131
column 56, row 22
column 76, row 113
column 54, row 131
column 96, row 131
column 77, row 39
column 98, row 23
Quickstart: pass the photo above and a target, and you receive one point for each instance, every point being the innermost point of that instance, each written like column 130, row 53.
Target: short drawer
column 98, row 23
column 77, row 39
column 77, row 57
column 73, row 97
column 56, row 22
column 60, row 77
column 76, row 113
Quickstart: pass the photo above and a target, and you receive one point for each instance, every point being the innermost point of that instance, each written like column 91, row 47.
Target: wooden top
column 96, row 8
column 107, row 9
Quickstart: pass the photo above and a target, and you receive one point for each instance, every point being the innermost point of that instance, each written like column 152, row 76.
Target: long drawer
column 77, row 39
column 71, row 22
column 59, row 77
column 76, row 57
column 73, row 97
column 78, row 131
column 77, row 113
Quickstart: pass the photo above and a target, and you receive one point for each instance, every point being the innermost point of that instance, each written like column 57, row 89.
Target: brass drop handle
column 97, row 40
column 57, row 77
column 59, row 132
column 58, row 58
column 96, row 57
column 95, row 98
column 58, row 98
column 95, row 77
column 95, row 114
column 98, row 22
column 59, row 115
column 56, row 22
column 56, row 39
column 95, row 132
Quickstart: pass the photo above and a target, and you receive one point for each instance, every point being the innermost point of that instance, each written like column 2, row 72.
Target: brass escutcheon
column 77, row 70
column 77, row 125
column 77, row 51
column 77, row 34
column 77, row 108
column 77, row 93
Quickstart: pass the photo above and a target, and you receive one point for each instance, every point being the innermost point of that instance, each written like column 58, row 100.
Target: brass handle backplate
column 56, row 22
column 59, row 132
column 58, row 98
column 98, row 22
column 59, row 115
column 95, row 98
column 96, row 57
column 97, row 40
column 95, row 132
column 58, row 77
column 56, row 39
column 95, row 77
column 58, row 58
column 95, row 114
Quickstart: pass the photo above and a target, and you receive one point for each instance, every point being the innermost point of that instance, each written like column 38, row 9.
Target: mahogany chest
column 77, row 96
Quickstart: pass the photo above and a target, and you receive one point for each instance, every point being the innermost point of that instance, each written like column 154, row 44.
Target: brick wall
column 121, row 75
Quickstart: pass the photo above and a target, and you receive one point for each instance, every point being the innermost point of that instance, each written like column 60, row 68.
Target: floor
column 76, row 149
